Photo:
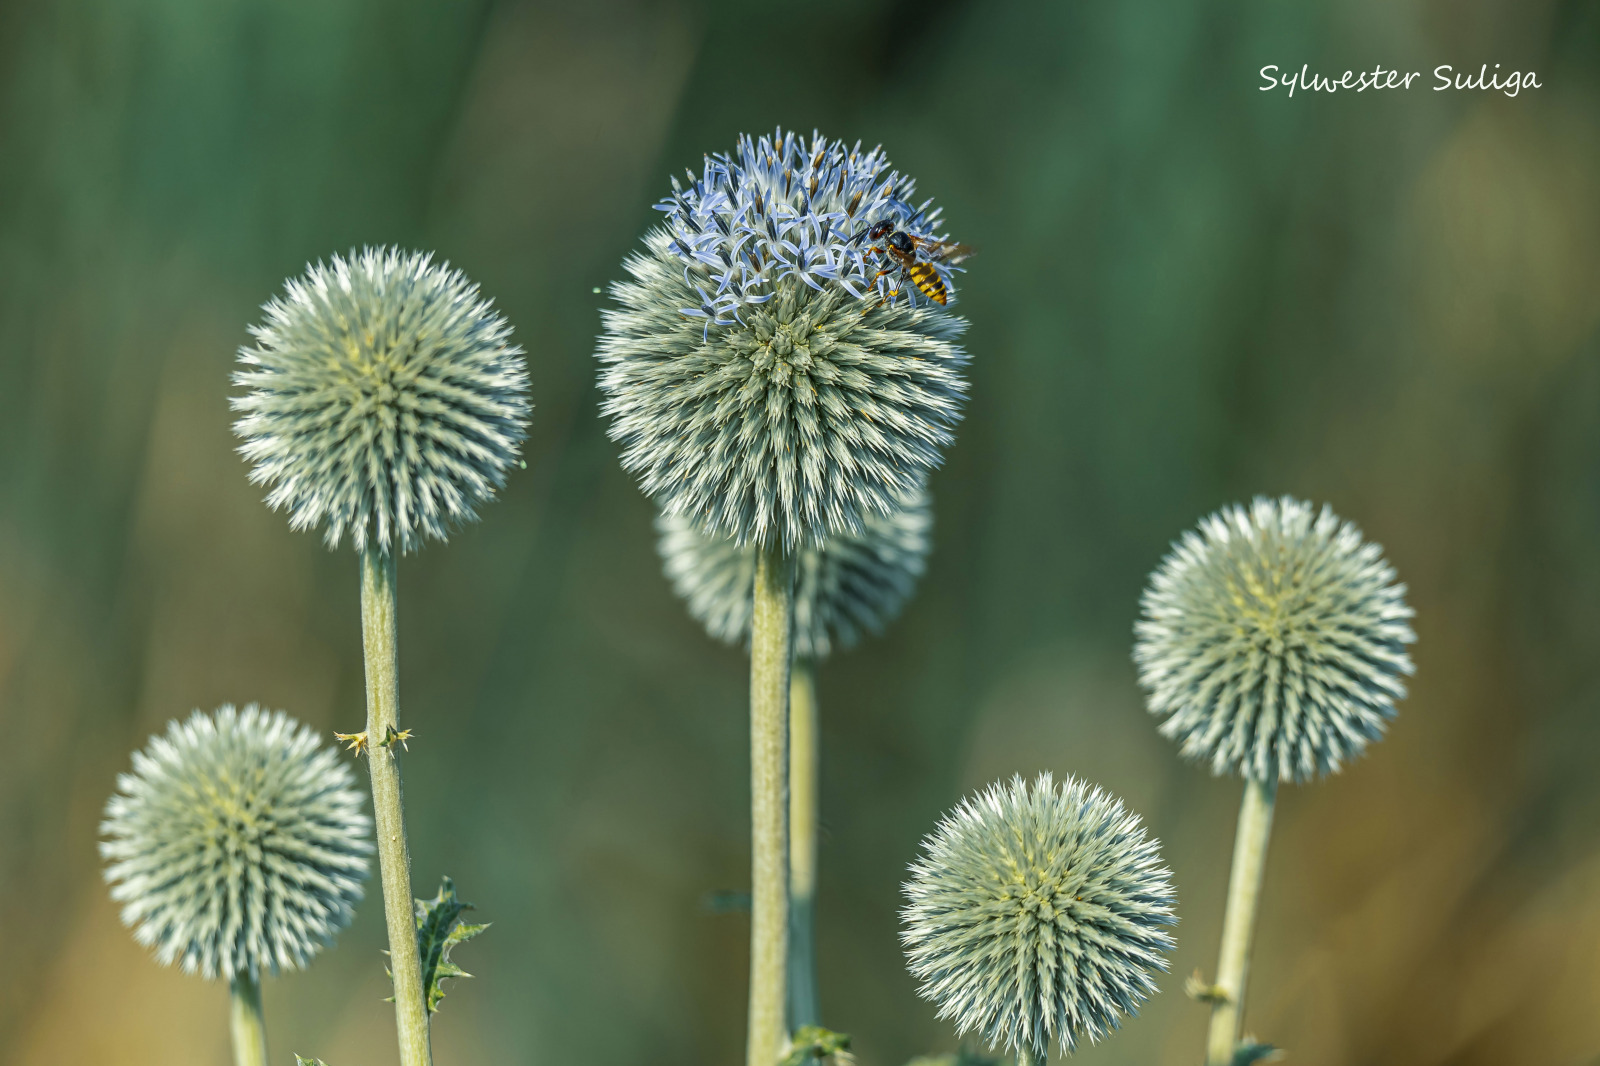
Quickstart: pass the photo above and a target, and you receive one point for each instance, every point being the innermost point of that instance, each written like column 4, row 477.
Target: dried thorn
column 357, row 742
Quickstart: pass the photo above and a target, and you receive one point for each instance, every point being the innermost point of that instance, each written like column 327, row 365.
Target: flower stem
column 1238, row 921
column 803, row 760
column 249, row 1029
column 769, row 822
column 383, row 714
column 1027, row 1057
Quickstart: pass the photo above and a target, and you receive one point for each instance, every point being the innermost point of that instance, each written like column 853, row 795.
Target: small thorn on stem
column 1198, row 988
column 356, row 742
column 396, row 736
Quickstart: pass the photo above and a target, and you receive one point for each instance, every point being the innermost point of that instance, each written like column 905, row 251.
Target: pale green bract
column 385, row 400
column 1038, row 914
column 1273, row 641
column 238, row 844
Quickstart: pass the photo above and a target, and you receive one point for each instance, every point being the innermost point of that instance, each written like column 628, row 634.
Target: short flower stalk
column 804, row 767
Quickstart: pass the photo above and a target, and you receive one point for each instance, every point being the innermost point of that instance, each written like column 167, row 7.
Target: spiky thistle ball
column 1038, row 914
column 237, row 845
column 385, row 400
column 848, row 585
column 1273, row 641
column 761, row 380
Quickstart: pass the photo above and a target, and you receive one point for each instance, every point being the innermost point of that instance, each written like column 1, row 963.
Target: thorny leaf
column 813, row 1042
column 439, row 929
column 1250, row 1051
column 301, row 1060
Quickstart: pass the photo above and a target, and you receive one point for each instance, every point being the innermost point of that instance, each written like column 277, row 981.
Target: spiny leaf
column 1249, row 1051
column 439, row 929
column 813, row 1042
column 301, row 1060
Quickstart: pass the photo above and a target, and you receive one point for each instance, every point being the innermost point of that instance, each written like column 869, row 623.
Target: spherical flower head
column 1273, row 641
column 771, row 374
column 237, row 845
column 1037, row 914
column 850, row 584
column 385, row 400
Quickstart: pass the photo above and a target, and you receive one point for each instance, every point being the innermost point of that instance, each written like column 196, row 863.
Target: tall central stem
column 769, row 815
column 1239, row 920
column 394, row 860
column 803, row 764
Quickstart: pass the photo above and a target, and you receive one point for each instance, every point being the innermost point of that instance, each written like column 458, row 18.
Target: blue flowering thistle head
column 385, row 400
column 850, row 584
column 238, row 844
column 1038, row 914
column 772, row 375
column 1273, row 641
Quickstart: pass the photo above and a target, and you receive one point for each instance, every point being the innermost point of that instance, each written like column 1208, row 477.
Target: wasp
column 902, row 250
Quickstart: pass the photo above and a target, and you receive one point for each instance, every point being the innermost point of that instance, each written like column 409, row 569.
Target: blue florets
column 783, row 209
column 762, row 387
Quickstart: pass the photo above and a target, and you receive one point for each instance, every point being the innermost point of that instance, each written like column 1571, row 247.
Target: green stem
column 394, row 862
column 803, row 760
column 1026, row 1057
column 1238, row 921
column 249, row 1029
column 769, row 822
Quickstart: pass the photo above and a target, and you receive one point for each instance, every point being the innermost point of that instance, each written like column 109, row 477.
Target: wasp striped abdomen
column 926, row 278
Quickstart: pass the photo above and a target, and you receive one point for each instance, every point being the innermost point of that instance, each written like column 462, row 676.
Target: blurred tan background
column 1188, row 292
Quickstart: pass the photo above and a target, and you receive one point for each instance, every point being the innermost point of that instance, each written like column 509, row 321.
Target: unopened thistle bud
column 385, row 400
column 848, row 585
column 1038, row 915
column 237, row 845
column 774, row 375
column 1273, row 641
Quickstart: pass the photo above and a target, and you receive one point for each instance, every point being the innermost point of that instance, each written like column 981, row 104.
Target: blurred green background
column 1189, row 291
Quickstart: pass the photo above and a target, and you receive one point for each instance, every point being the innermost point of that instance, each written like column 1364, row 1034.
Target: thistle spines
column 1038, row 914
column 237, row 845
column 1273, row 641
column 759, row 387
column 385, row 400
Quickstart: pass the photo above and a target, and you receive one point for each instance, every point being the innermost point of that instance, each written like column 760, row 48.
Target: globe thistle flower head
column 385, row 400
column 1273, row 641
column 237, row 845
column 772, row 376
column 1038, row 914
column 848, row 585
